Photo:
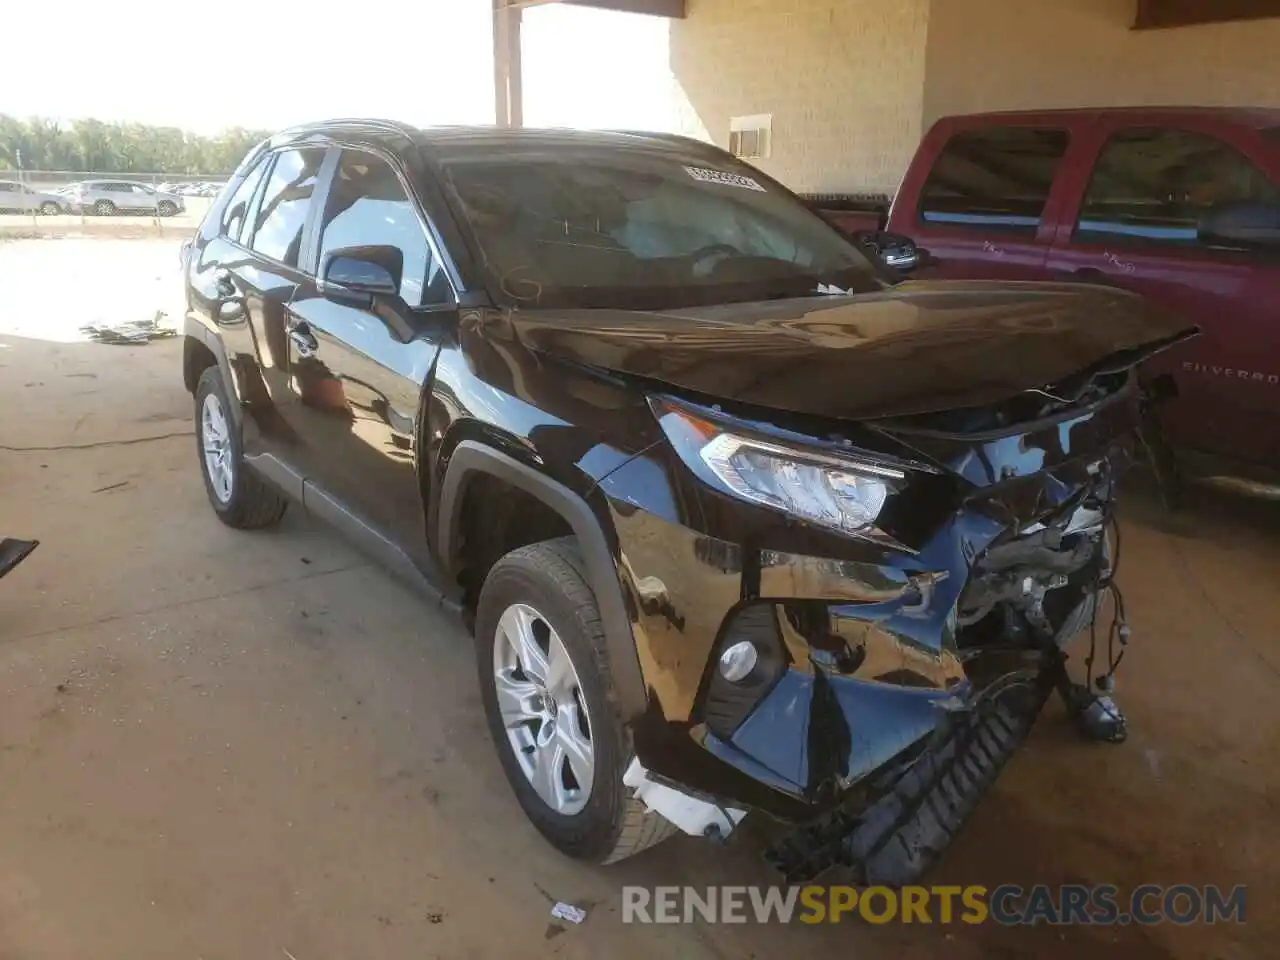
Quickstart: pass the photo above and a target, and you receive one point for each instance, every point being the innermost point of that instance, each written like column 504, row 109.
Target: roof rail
column 669, row 137
column 340, row 123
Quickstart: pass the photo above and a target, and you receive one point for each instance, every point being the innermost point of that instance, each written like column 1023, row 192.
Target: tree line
column 39, row 143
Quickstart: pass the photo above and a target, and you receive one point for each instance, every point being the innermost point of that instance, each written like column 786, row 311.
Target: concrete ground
column 121, row 225
column 225, row 745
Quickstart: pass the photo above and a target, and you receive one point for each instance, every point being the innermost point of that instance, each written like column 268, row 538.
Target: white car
column 20, row 198
column 105, row 198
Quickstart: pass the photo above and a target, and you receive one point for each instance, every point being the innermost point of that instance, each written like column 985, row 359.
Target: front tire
column 50, row 209
column 546, row 687
column 104, row 208
column 166, row 208
column 239, row 497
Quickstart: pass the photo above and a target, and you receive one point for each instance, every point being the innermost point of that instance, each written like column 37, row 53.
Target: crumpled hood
column 919, row 347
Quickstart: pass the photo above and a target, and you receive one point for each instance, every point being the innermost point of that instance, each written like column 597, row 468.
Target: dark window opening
column 1154, row 185
column 998, row 177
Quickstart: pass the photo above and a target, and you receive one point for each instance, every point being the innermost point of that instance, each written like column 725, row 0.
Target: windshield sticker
column 721, row 177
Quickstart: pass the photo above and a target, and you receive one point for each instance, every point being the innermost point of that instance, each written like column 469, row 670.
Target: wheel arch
column 472, row 459
column 201, row 349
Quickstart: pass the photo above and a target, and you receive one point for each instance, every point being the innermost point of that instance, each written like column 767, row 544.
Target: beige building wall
column 853, row 84
column 842, row 79
column 1018, row 54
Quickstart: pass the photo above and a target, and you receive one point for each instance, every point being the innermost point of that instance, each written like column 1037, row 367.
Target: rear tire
column 547, row 580
column 50, row 209
column 239, row 497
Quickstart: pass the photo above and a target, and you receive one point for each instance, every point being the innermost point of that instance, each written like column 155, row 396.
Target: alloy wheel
column 543, row 709
column 215, row 438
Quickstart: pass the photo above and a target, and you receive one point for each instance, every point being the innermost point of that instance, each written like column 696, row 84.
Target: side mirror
column 364, row 272
column 1253, row 226
column 893, row 250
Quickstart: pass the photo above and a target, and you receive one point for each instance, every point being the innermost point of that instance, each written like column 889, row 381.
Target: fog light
column 738, row 660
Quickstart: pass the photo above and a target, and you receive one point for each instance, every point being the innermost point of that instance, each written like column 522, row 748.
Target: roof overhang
column 674, row 9
column 1153, row 14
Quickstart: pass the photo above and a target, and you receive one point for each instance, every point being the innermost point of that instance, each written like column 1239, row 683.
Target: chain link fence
column 47, row 203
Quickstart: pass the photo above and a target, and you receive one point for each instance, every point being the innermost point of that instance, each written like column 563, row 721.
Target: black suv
column 738, row 521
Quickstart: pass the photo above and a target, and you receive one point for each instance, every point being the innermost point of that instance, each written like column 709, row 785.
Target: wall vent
column 750, row 137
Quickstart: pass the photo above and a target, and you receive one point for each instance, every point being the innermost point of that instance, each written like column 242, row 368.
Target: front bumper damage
column 893, row 685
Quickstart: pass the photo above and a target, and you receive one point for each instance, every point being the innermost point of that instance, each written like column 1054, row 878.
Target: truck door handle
column 304, row 340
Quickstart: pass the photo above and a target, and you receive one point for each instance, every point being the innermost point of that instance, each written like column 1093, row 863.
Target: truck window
column 1152, row 185
column 997, row 177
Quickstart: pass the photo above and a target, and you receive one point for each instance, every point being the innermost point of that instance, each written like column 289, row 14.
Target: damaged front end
column 867, row 687
column 1030, row 593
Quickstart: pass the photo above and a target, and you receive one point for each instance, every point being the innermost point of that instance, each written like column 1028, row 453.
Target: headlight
column 843, row 494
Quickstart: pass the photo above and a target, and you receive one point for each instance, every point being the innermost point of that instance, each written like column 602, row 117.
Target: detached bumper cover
column 908, row 813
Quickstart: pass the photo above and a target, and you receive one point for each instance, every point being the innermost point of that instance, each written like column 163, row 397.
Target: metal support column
column 508, row 97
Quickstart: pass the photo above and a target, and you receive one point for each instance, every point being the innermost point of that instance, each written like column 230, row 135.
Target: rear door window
column 1152, row 186
column 282, row 214
column 999, row 177
column 237, row 211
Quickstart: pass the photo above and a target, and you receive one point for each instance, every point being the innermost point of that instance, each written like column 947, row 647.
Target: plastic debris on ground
column 567, row 911
column 131, row 333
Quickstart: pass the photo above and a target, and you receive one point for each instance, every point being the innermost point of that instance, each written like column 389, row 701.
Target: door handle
column 228, row 304
column 303, row 340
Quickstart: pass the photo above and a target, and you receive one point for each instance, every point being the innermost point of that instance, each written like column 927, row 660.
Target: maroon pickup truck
column 1179, row 204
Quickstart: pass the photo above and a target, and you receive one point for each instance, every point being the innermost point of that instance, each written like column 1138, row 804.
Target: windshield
column 635, row 229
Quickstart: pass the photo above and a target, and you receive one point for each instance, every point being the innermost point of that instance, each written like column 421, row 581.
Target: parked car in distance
column 105, row 198
column 1181, row 205
column 737, row 524
column 20, row 198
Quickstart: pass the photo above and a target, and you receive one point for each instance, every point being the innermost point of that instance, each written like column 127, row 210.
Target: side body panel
column 353, row 401
column 1229, row 376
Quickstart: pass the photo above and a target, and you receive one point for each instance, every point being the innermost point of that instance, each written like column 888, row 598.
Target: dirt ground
column 225, row 745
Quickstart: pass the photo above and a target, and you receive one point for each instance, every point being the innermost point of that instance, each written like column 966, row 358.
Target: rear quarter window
column 998, row 177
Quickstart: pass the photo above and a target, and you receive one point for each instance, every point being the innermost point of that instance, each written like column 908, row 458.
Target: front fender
column 597, row 542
